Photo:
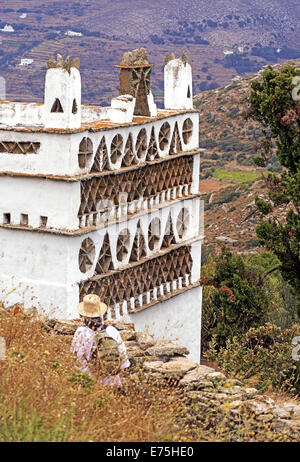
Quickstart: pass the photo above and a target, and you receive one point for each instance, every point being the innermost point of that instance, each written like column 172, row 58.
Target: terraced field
column 252, row 33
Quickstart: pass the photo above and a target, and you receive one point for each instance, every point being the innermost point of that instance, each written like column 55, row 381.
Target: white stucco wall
column 54, row 300
column 65, row 86
column 192, row 205
column 58, row 154
column 42, row 270
column 59, row 201
column 47, row 256
column 35, row 271
column 12, row 114
column 178, row 84
column 177, row 319
column 34, row 256
column 53, row 158
column 122, row 109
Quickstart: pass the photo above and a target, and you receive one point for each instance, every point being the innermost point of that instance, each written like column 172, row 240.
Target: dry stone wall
column 206, row 391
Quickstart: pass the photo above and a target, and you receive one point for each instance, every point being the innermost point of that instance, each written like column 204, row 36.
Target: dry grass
column 44, row 397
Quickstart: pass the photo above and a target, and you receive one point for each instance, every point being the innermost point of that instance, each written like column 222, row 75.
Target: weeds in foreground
column 44, row 397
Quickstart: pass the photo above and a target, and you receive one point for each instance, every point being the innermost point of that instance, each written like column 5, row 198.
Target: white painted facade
column 27, row 267
column 178, row 85
column 176, row 319
column 52, row 158
column 38, row 198
column 65, row 87
column 58, row 237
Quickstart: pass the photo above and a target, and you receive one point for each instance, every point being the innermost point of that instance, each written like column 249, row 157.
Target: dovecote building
column 105, row 200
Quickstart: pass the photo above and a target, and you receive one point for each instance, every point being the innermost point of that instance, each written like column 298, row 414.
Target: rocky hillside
column 224, row 39
column 229, row 180
column 224, row 133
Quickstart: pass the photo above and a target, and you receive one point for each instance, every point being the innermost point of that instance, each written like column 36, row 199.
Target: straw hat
column 92, row 307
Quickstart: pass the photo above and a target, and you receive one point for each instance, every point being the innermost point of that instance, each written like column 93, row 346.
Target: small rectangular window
column 24, row 219
column 43, row 222
column 6, row 218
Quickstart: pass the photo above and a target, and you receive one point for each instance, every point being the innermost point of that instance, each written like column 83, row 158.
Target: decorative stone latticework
column 135, row 80
column 103, row 200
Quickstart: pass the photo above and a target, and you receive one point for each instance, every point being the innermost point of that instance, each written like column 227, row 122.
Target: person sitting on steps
column 97, row 344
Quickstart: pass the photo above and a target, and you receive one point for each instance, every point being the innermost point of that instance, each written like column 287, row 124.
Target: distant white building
column 228, row 52
column 23, row 16
column 26, row 62
column 71, row 33
column 8, row 28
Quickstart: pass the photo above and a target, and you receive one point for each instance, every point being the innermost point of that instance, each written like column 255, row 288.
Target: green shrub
column 234, row 113
column 197, row 102
column 227, row 195
column 234, row 297
column 208, row 144
column 215, row 156
column 263, row 354
column 79, row 378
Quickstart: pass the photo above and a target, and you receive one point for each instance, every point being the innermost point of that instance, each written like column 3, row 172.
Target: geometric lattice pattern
column 145, row 182
column 135, row 81
column 164, row 136
column 86, row 255
column 176, row 145
column 100, row 161
column 152, row 152
column 141, row 143
column 143, row 148
column 85, row 153
column 139, row 246
column 142, row 284
column 187, row 130
column 169, row 237
column 182, row 222
column 123, row 245
column 129, row 158
column 104, row 263
column 128, row 250
column 154, row 231
column 11, row 147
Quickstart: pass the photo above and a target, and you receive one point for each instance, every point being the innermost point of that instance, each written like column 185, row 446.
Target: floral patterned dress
column 83, row 343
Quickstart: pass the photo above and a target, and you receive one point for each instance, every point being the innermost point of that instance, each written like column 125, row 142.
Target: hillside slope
column 224, row 38
column 229, row 180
